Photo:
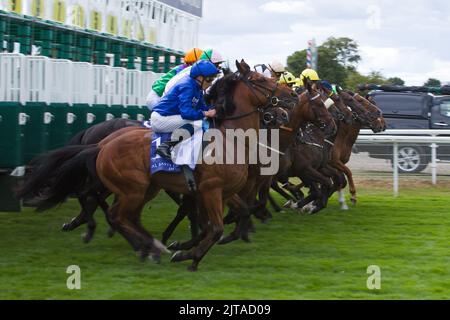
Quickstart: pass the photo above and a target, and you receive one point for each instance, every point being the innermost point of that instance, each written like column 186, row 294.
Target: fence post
column 434, row 147
column 395, row 165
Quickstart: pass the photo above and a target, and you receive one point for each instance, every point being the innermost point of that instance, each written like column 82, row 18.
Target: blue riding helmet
column 203, row 68
column 327, row 85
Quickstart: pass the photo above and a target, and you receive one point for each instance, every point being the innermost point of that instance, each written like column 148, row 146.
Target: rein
column 273, row 100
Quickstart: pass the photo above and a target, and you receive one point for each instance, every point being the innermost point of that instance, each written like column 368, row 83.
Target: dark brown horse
column 312, row 108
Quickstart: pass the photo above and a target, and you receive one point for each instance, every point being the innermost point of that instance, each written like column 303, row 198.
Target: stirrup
column 190, row 178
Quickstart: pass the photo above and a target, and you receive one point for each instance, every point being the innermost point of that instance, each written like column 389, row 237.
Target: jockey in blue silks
column 184, row 104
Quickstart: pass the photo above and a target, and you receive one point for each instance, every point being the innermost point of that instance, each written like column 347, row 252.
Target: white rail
column 416, row 137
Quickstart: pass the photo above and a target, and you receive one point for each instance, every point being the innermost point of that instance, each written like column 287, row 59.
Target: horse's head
column 314, row 108
column 374, row 116
column 338, row 110
column 272, row 100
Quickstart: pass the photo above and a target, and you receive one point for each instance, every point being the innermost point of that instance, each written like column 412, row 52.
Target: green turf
column 323, row 256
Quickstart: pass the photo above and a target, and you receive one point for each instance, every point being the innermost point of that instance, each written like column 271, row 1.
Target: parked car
column 411, row 110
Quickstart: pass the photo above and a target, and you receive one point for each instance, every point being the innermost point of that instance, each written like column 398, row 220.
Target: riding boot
column 164, row 149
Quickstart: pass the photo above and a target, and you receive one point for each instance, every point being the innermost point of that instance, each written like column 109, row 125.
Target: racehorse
column 122, row 163
column 342, row 150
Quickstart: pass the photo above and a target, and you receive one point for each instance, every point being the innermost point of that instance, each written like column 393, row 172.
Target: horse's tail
column 59, row 174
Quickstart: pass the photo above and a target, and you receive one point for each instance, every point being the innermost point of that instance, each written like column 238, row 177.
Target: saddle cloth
column 186, row 152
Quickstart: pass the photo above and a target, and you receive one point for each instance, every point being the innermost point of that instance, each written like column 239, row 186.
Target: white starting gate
column 41, row 79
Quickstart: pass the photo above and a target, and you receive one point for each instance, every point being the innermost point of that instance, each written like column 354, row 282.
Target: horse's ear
column 243, row 67
column 308, row 85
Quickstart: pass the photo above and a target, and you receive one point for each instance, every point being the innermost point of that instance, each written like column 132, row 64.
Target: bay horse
column 311, row 108
column 310, row 161
column 123, row 166
column 369, row 116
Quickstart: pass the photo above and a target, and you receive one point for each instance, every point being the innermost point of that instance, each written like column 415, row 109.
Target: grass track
column 324, row 256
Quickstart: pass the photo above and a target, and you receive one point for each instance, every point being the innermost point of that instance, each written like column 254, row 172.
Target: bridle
column 272, row 100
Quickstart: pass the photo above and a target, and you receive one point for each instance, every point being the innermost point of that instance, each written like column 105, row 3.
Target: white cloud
column 288, row 7
column 409, row 43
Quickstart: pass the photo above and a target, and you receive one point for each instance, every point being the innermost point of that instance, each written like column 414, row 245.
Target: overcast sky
column 407, row 39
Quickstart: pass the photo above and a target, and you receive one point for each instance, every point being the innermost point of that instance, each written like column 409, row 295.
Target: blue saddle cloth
column 158, row 163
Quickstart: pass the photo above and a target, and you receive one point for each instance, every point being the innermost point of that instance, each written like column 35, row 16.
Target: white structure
column 398, row 137
column 41, row 79
column 169, row 23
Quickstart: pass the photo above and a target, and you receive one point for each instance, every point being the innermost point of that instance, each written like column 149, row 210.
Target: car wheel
column 411, row 159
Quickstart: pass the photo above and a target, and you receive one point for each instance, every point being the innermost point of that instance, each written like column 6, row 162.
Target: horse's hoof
column 288, row 205
column 156, row 258
column 87, row 238
column 227, row 239
column 246, row 238
column 354, row 201
column 65, row 227
column 345, row 207
column 174, row 246
column 192, row 268
column 178, row 257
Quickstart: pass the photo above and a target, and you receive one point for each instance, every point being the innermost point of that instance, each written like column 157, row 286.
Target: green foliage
column 396, row 81
column 345, row 50
column 324, row 256
column 432, row 83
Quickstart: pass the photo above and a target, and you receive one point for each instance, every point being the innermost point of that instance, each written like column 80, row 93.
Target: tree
column 346, row 51
column 432, row 83
column 355, row 78
column 396, row 81
column 336, row 57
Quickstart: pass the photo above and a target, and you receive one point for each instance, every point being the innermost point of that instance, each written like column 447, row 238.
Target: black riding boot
column 164, row 149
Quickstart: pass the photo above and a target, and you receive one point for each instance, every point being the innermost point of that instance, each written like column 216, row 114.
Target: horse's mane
column 221, row 95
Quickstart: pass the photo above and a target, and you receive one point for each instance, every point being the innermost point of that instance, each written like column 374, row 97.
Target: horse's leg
column 101, row 200
column 342, row 167
column 296, row 191
column 212, row 206
column 90, row 205
column 119, row 225
column 273, row 203
column 283, row 193
column 181, row 214
column 77, row 221
column 188, row 208
column 127, row 221
column 242, row 225
column 315, row 176
column 88, row 208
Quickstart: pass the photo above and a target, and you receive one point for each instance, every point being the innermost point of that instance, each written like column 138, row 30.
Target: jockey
column 309, row 74
column 183, row 104
column 159, row 86
column 276, row 69
column 288, row 79
column 209, row 55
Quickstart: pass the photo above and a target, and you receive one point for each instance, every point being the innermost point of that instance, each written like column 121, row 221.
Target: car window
column 412, row 105
column 445, row 108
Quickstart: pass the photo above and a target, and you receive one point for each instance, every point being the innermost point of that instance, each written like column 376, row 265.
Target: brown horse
column 122, row 163
column 311, row 108
column 370, row 117
column 310, row 160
